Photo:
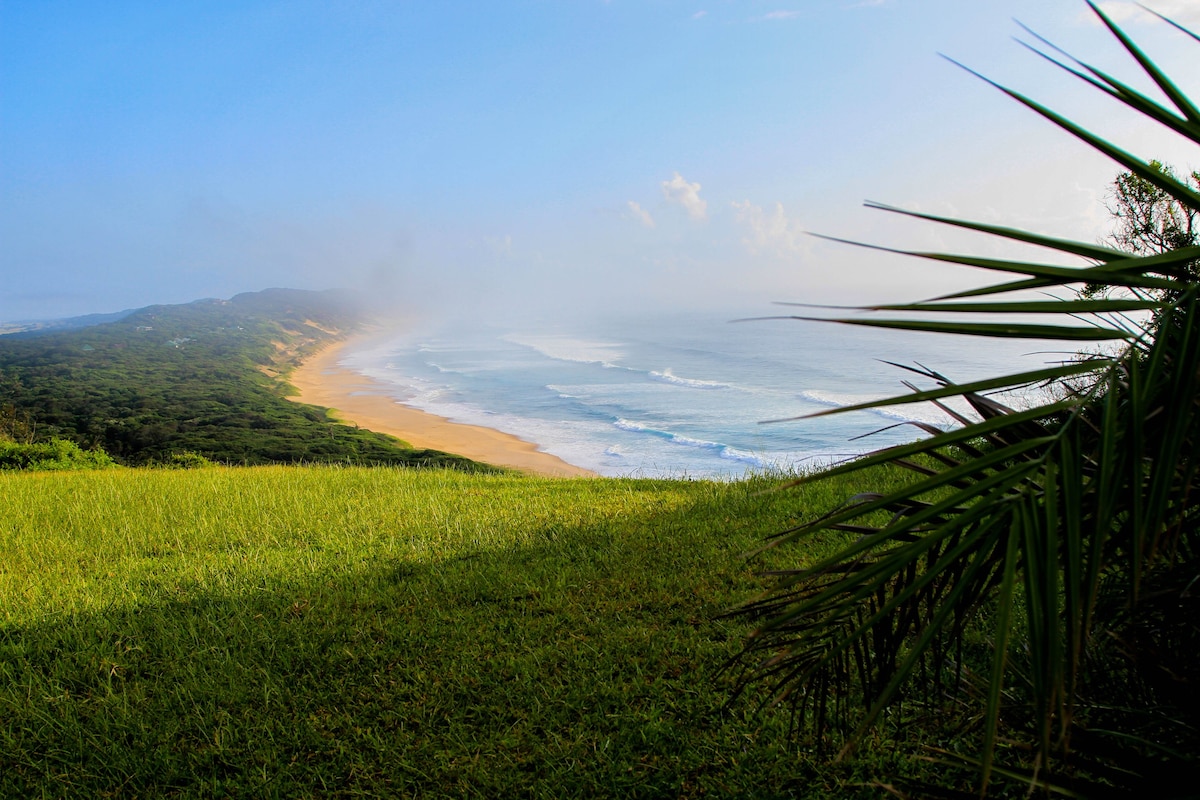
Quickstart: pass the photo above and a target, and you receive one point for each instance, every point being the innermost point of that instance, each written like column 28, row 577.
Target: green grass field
column 346, row 632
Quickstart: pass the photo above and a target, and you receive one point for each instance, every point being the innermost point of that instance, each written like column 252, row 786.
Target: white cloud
column 678, row 190
column 781, row 15
column 1181, row 11
column 641, row 214
column 769, row 232
column 700, row 15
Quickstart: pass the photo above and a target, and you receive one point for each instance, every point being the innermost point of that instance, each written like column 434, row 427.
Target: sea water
column 681, row 394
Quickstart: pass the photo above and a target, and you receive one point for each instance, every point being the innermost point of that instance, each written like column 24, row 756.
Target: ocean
column 680, row 394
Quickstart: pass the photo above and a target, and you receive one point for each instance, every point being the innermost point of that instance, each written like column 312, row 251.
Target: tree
column 16, row 425
column 1036, row 580
column 1149, row 221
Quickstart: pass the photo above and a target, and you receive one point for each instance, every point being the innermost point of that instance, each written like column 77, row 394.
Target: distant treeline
column 200, row 378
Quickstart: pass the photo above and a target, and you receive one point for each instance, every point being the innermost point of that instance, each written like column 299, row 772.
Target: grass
column 341, row 632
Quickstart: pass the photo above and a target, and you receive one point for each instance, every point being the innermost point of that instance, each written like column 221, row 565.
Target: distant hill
column 35, row 327
column 202, row 377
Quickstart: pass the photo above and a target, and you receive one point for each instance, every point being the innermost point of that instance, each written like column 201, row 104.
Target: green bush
column 54, row 454
column 188, row 460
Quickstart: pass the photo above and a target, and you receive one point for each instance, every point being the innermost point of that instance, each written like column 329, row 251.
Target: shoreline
column 356, row 399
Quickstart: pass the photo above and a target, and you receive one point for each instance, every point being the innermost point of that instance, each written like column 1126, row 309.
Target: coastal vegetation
column 206, row 378
column 54, row 454
column 1036, row 582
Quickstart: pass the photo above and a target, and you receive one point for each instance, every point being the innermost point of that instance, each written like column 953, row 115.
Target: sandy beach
column 359, row 400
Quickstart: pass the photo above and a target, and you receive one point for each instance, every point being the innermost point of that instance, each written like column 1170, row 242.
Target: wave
column 746, row 457
column 635, row 427
column 831, row 399
column 688, row 441
column 916, row 412
column 565, row 348
column 666, row 376
column 720, row 449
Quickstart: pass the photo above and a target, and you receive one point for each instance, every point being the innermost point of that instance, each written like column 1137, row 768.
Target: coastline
column 359, row 400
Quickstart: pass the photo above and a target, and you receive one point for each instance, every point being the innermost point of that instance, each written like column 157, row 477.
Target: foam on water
column 914, row 412
column 666, row 376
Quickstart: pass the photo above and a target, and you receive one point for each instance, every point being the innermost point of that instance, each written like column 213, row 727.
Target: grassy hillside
column 336, row 632
column 200, row 377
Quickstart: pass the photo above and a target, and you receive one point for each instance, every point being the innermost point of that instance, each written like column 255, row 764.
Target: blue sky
column 544, row 157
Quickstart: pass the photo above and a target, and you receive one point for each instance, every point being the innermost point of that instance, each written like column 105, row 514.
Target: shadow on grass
column 582, row 665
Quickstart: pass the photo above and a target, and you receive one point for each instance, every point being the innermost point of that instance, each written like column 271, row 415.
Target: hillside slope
column 301, row 632
column 201, row 377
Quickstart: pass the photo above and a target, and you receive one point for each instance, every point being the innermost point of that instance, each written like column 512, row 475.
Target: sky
column 540, row 157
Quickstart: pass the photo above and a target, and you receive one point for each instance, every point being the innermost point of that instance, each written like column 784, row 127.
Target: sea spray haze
column 672, row 394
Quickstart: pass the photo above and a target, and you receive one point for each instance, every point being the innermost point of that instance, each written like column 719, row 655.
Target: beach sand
column 358, row 400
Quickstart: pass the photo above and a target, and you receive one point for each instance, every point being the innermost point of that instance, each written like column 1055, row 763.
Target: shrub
column 188, row 460
column 54, row 454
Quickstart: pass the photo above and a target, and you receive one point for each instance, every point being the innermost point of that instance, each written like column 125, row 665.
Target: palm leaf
column 1032, row 525
column 1164, row 83
column 1143, row 169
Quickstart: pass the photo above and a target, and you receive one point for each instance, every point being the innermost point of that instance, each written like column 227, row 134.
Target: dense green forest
column 200, row 378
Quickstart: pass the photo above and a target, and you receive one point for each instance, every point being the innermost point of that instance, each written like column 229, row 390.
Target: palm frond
column 1040, row 531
